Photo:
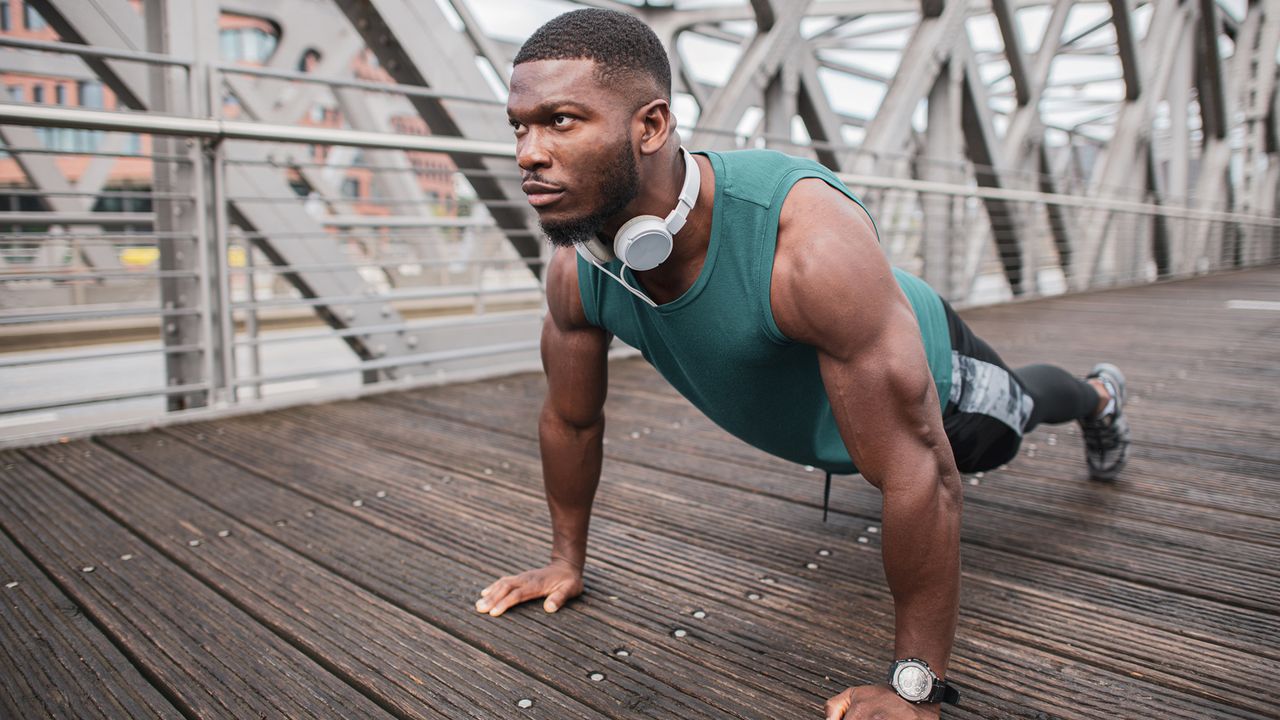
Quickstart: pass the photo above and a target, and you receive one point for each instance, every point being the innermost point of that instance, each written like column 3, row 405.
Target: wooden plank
column 53, row 662
column 820, row 586
column 400, row 663
column 433, row 571
column 208, row 657
column 1122, row 548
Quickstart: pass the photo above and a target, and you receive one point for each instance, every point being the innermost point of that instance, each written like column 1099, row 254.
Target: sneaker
column 1106, row 437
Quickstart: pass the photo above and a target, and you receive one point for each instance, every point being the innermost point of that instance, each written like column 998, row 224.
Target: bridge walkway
column 322, row 561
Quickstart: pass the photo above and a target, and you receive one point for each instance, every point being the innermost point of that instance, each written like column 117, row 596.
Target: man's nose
column 531, row 152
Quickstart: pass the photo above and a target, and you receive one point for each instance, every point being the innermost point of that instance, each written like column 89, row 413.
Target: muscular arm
column 570, row 431
column 833, row 289
column 571, row 426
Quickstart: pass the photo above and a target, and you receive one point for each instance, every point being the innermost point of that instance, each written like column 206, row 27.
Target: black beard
column 620, row 182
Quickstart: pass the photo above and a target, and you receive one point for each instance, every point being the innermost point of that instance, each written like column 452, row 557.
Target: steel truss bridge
column 1008, row 149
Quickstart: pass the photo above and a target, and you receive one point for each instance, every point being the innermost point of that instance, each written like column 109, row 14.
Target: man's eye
column 515, row 125
column 560, row 120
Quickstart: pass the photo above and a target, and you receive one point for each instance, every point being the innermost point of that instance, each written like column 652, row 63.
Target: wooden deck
column 322, row 561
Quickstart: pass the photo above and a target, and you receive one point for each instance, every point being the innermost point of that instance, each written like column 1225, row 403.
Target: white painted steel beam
column 416, row 45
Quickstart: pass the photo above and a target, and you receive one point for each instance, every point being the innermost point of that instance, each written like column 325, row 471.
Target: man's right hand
column 558, row 582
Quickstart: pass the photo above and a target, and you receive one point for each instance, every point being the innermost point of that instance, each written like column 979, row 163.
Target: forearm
column 922, row 564
column 571, row 460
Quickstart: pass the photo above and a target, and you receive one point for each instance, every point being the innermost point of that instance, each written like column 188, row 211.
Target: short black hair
column 622, row 46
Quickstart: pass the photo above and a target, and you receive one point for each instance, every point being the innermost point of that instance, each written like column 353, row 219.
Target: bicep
column 574, row 353
column 835, row 290
column 885, row 403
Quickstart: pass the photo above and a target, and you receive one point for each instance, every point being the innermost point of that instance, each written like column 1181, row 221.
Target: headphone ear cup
column 643, row 242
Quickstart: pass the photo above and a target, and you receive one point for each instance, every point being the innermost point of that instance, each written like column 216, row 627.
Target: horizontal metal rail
column 91, row 51
column 470, row 320
column 103, row 397
column 217, row 130
column 325, row 267
column 77, row 218
column 366, row 299
column 80, row 355
column 393, row 362
column 100, row 275
column 68, row 316
column 388, row 87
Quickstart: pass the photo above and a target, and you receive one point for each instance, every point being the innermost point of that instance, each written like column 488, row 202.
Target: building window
column 37, row 93
column 351, row 188
column 90, row 92
column 32, row 18
column 249, row 44
column 60, row 94
column 310, row 57
column 15, row 93
column 133, row 144
column 4, row 15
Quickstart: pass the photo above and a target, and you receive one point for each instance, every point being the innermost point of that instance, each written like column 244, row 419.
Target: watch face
column 912, row 682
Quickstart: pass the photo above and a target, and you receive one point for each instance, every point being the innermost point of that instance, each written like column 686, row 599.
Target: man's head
column 590, row 105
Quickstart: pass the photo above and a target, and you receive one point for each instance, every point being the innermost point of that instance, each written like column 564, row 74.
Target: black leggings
column 981, row 442
column 1060, row 396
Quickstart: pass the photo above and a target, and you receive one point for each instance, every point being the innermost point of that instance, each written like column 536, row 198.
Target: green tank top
column 718, row 345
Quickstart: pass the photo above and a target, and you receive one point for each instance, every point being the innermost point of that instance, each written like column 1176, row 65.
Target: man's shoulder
column 564, row 299
column 754, row 174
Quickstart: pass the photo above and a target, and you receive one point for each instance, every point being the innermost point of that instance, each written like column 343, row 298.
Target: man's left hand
column 877, row 702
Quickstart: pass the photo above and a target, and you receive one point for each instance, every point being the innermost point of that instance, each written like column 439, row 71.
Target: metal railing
column 423, row 297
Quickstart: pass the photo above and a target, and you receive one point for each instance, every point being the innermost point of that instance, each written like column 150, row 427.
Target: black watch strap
column 944, row 691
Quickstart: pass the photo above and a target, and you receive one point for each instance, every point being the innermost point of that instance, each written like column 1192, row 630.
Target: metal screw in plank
column 873, row 529
column 126, row 557
column 224, row 533
column 824, row 552
column 768, row 580
column 524, row 703
column 88, row 568
column 699, row 614
column 862, row 539
column 12, row 585
column 621, row 653
column 357, row 503
column 680, row 633
column 426, row 488
column 753, row 596
column 597, row 676
column 193, row 543
column 811, row 566
column 381, row 493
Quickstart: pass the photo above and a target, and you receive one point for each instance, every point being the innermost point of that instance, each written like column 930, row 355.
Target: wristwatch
column 915, row 682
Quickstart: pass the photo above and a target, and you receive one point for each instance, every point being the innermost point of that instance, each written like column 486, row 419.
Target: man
column 777, row 315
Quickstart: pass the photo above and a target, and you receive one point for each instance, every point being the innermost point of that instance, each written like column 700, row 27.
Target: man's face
column 573, row 145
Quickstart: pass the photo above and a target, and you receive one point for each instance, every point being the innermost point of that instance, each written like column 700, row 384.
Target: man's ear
column 656, row 123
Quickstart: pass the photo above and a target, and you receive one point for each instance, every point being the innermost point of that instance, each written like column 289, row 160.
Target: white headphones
column 645, row 241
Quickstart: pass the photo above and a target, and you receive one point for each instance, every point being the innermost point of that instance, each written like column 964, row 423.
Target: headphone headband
column 688, row 194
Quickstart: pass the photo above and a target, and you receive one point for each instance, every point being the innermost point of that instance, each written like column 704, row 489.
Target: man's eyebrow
column 550, row 106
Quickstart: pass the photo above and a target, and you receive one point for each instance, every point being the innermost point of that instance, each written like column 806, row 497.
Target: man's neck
column 689, row 250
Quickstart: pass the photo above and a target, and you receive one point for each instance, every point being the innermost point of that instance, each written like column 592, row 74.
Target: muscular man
column 777, row 315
